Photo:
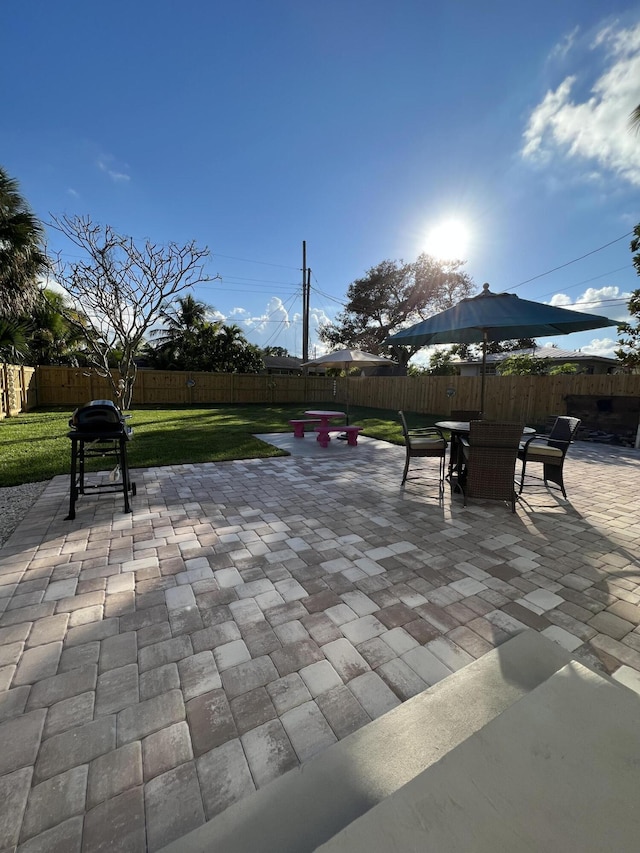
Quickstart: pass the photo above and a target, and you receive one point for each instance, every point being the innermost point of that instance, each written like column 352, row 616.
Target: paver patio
column 158, row 666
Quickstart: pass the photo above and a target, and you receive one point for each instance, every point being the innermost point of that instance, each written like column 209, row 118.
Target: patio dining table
column 325, row 416
column 458, row 430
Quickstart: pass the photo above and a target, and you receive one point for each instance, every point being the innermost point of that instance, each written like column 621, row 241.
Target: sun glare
column 448, row 241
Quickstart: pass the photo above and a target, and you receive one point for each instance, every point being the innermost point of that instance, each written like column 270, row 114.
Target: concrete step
column 557, row 770
column 309, row 805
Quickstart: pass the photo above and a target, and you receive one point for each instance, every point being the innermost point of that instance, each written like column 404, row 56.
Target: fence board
column 528, row 398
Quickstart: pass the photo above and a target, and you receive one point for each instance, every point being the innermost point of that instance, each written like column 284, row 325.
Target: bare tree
column 120, row 289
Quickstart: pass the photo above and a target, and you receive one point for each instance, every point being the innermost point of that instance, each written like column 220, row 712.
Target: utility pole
column 306, row 287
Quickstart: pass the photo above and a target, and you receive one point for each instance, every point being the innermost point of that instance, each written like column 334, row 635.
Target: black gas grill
column 99, row 429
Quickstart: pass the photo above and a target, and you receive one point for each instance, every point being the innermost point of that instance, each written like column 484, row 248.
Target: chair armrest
column 551, row 442
column 426, row 431
column 525, row 444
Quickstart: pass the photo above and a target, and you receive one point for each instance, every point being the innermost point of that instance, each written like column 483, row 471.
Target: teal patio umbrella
column 496, row 317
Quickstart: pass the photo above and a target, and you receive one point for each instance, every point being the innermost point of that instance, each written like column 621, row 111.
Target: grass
column 34, row 446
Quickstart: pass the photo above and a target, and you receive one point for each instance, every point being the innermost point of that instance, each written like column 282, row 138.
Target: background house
column 592, row 364
column 282, row 365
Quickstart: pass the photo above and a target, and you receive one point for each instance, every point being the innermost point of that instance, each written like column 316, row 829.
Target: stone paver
column 14, row 792
column 224, row 776
column 308, row 730
column 54, row 801
column 113, row 773
column 158, row 667
column 210, row 721
column 78, row 745
column 166, row 749
column 121, row 817
column 173, row 805
column 269, row 752
column 20, row 739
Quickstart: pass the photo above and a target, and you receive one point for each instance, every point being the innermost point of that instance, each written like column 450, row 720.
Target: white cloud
column 609, row 301
column 278, row 326
column 595, row 130
column 52, row 284
column 215, row 316
column 604, row 347
column 274, row 315
column 564, row 47
column 116, row 176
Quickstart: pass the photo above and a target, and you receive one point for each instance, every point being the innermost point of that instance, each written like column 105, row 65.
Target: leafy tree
column 212, row 347
column 511, row 346
column 22, row 255
column 558, row 369
column 629, row 333
column 528, row 365
column 122, row 288
column 232, row 353
column 50, row 336
column 522, row 365
column 441, row 364
column 392, row 295
column 182, row 324
column 278, row 352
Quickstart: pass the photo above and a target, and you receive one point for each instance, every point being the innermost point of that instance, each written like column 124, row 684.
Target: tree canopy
column 122, row 288
column 22, row 255
column 629, row 333
column 392, row 295
column 188, row 341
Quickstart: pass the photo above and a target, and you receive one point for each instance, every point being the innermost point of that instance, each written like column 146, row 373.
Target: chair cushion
column 540, row 448
column 418, row 443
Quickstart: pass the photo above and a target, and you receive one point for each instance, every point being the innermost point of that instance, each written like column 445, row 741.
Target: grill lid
column 97, row 416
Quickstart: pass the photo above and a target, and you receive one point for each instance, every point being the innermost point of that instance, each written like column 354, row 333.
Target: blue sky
column 356, row 125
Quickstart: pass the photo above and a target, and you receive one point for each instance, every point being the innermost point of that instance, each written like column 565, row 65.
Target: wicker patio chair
column 490, row 455
column 465, row 415
column 550, row 450
column 423, row 442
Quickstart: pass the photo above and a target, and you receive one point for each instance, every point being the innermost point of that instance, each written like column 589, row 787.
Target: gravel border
column 15, row 503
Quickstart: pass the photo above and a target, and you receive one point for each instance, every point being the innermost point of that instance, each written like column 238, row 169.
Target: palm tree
column 186, row 317
column 22, row 256
column 52, row 339
column 634, row 119
column 13, row 343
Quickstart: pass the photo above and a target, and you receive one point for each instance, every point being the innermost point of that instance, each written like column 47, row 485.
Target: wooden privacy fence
column 528, row 398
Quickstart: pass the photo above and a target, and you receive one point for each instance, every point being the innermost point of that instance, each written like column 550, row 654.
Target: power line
column 248, row 261
column 282, row 322
column 586, row 281
column 265, row 280
column 574, row 261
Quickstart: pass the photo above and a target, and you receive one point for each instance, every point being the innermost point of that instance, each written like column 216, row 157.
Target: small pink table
column 325, row 418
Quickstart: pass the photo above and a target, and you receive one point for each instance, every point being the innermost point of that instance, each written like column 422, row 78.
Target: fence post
column 4, row 402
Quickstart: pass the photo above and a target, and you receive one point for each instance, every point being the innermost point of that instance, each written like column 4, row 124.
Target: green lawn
column 35, row 447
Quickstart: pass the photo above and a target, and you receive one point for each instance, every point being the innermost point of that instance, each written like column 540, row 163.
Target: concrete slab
column 530, row 780
column 307, row 806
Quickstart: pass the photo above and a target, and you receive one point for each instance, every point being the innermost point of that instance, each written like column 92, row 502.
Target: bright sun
column 448, row 241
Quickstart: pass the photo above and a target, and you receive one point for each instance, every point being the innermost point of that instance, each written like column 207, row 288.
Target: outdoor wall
column 528, row 398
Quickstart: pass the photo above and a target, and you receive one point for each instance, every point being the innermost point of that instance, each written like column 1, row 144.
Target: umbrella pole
column 348, row 402
column 484, row 367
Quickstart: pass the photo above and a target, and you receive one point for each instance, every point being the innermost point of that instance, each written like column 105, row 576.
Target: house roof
column 548, row 353
column 282, row 362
